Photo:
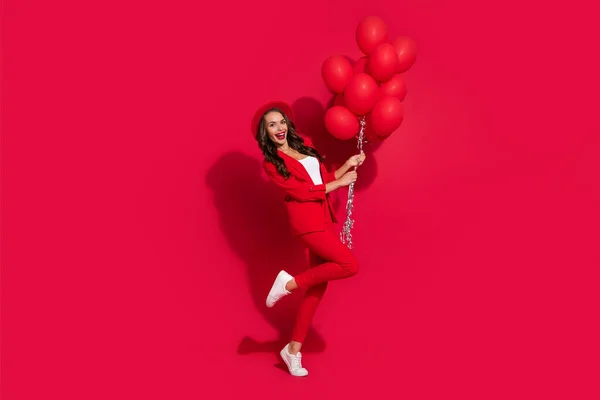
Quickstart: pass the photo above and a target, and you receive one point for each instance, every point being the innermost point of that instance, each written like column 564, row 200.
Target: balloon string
column 346, row 235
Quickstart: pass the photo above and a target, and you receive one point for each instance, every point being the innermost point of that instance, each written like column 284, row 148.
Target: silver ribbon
column 345, row 235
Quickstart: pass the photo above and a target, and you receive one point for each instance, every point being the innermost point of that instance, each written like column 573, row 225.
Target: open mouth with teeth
column 280, row 135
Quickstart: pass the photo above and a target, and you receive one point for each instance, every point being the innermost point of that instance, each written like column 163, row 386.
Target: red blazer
column 307, row 203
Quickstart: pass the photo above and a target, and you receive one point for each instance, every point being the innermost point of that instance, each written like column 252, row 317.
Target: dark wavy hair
column 269, row 149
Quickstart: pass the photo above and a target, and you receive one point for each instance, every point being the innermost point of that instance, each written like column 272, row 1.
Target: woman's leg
column 330, row 260
column 308, row 307
column 339, row 263
column 338, row 260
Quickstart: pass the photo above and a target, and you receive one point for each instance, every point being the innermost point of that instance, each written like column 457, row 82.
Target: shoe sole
column 271, row 291
column 269, row 295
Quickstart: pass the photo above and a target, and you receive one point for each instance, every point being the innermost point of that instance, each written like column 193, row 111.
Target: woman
column 294, row 165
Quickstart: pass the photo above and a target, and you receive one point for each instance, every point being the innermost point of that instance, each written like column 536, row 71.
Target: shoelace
column 297, row 361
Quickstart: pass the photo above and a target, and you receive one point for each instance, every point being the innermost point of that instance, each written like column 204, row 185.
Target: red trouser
column 330, row 259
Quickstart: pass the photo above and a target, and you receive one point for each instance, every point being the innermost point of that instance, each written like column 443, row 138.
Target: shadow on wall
column 253, row 218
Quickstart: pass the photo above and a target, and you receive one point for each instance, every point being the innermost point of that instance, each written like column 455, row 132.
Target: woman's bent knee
column 351, row 267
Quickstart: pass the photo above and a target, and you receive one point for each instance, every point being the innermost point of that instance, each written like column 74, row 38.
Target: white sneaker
column 278, row 289
column 293, row 362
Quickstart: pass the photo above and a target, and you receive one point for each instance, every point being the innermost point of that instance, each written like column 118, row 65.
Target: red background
column 140, row 236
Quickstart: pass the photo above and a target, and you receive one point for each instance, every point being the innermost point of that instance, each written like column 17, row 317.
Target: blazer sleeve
column 294, row 188
column 328, row 176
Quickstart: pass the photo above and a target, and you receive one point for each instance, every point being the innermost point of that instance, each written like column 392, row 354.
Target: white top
column 311, row 165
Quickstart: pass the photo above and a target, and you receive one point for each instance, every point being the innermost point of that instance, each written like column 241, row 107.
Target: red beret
column 283, row 106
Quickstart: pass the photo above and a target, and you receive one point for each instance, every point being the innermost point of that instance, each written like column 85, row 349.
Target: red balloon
column 361, row 94
column 370, row 32
column 394, row 87
column 386, row 116
column 336, row 71
column 361, row 66
column 383, row 62
column 341, row 123
column 339, row 100
column 406, row 48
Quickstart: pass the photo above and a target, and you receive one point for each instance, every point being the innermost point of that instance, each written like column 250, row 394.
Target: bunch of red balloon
column 369, row 94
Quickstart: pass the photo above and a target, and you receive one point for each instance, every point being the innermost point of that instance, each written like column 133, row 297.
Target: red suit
column 311, row 218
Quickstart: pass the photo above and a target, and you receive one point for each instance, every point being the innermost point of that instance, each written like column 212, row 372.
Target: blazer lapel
column 294, row 164
column 323, row 170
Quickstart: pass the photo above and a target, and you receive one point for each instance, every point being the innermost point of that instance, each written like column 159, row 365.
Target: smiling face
column 276, row 127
